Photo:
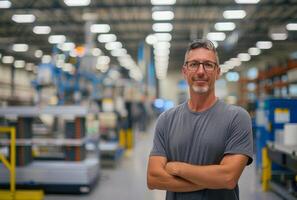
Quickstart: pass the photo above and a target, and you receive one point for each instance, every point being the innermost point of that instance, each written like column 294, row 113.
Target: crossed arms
column 184, row 177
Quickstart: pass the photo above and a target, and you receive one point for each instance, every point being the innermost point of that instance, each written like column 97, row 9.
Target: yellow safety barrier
column 14, row 194
column 266, row 170
column 122, row 138
column 129, row 138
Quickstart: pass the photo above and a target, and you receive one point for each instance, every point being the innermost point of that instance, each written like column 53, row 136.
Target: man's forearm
column 211, row 176
column 165, row 181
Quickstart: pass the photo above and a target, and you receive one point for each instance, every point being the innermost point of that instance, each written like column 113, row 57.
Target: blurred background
column 82, row 83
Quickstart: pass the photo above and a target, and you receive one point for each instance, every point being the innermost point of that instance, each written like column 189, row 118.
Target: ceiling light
column 292, row 27
column 46, row 59
column 56, row 39
column 162, row 27
column 163, row 2
column 77, row 2
column 118, row 52
column 7, row 59
column 5, row 4
column 247, row 1
column 96, row 52
column 151, row 39
column 162, row 45
column 254, row 51
column 100, row 28
column 24, row 18
column 103, row 60
column 67, row 46
column 103, row 38
column 38, row 53
column 113, row 45
column 264, row 44
column 236, row 62
column 244, row 57
column 164, row 37
column 225, row 26
column 234, row 14
column 41, row 30
column 279, row 36
column 162, row 15
column 19, row 64
column 216, row 36
column 20, row 47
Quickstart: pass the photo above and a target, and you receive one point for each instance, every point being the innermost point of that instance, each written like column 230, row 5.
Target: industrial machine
column 53, row 158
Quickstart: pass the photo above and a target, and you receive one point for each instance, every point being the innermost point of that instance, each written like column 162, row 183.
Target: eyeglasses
column 207, row 65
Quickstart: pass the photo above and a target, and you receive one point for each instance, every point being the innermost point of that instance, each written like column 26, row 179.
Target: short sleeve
column 159, row 138
column 240, row 140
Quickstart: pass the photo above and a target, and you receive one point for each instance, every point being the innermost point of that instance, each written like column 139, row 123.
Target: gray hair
column 204, row 44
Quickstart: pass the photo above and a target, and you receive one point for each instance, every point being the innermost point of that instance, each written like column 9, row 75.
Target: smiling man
column 202, row 146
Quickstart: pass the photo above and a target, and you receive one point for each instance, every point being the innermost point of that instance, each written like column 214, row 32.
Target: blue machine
column 271, row 116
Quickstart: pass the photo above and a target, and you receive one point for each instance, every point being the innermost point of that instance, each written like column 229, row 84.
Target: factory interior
column 83, row 82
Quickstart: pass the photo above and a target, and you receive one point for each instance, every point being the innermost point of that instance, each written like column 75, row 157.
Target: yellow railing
column 14, row 194
column 10, row 164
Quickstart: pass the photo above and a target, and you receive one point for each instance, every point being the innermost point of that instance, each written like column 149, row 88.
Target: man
column 201, row 146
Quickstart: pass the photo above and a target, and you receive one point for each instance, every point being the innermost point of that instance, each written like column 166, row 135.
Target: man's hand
column 172, row 168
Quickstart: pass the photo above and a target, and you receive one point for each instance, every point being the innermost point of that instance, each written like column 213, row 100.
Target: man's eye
column 209, row 65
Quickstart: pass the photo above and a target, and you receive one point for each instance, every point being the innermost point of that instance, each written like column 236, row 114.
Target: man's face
column 201, row 80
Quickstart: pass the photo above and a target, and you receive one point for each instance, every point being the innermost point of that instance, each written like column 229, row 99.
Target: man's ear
column 218, row 73
column 184, row 72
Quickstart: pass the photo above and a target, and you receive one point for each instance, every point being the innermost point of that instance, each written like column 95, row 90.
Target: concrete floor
column 128, row 180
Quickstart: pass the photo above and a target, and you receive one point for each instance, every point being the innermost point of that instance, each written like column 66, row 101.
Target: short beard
column 200, row 89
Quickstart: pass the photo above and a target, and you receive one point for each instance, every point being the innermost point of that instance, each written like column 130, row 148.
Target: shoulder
column 233, row 110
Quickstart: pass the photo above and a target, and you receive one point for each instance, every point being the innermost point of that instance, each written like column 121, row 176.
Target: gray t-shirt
column 203, row 138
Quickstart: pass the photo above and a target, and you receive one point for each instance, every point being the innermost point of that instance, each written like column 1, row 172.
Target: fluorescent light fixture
column 46, row 59
column 20, row 47
column 292, row 27
column 103, row 60
column 41, row 30
column 162, row 45
column 162, row 15
column 96, row 52
column 279, row 36
column 19, row 64
column 234, row 14
column 264, row 44
column 244, row 57
column 113, row 45
column 38, row 53
column 254, row 51
column 162, row 27
column 23, row 18
column 104, row 38
column 247, row 1
column 100, row 28
column 216, row 36
column 56, row 39
column 5, row 4
column 163, row 2
column 225, row 26
column 77, row 2
column 68, row 46
column 151, row 39
column 118, row 52
column 164, row 37
column 7, row 59
column 236, row 62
